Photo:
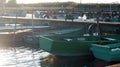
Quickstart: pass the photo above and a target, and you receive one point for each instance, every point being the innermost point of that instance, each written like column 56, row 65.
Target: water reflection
column 58, row 61
column 33, row 57
column 20, row 57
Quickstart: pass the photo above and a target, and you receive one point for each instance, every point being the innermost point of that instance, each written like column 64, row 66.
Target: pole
column 15, row 26
column 33, row 38
column 110, row 11
column 32, row 24
column 98, row 28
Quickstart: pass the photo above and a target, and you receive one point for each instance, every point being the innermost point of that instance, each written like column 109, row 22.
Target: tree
column 12, row 2
column 2, row 1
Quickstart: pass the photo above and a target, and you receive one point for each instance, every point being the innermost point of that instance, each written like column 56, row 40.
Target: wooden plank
column 59, row 20
column 21, row 27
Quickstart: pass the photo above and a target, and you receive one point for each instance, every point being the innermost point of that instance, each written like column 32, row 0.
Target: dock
column 21, row 27
column 57, row 20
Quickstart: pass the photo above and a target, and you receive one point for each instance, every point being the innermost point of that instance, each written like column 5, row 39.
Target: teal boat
column 106, row 52
column 64, row 45
column 34, row 39
column 113, row 36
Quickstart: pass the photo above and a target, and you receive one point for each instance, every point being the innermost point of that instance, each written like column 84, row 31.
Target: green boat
column 108, row 52
column 64, row 45
column 113, row 36
column 34, row 39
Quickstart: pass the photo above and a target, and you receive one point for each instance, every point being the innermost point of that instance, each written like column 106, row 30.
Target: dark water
column 25, row 56
column 68, row 62
column 77, row 62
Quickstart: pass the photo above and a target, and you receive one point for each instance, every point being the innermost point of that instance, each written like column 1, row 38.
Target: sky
column 82, row 1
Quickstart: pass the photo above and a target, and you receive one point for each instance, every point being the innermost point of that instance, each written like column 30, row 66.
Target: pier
column 49, row 23
column 45, row 35
column 25, row 20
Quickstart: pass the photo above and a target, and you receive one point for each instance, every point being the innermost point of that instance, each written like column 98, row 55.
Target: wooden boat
column 113, row 36
column 106, row 52
column 34, row 39
column 64, row 45
column 8, row 39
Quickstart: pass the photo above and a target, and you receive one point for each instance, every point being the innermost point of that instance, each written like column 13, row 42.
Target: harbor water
column 20, row 57
column 31, row 56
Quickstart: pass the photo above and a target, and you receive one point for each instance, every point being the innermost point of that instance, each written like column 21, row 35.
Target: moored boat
column 34, row 39
column 106, row 52
column 69, row 45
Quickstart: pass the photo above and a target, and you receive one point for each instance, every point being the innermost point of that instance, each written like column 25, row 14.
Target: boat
column 106, row 52
column 34, row 39
column 113, row 36
column 77, row 45
column 70, row 45
column 69, row 16
column 8, row 39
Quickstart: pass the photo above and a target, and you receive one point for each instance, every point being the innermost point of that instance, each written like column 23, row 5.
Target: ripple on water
column 20, row 57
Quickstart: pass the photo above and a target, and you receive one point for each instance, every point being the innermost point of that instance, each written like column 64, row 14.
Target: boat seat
column 110, row 39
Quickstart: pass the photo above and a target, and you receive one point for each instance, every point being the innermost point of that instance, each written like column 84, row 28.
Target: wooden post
column 98, row 28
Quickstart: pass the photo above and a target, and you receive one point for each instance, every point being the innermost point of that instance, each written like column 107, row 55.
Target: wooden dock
column 21, row 27
column 59, row 20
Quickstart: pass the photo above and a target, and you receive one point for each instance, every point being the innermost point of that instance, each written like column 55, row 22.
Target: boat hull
column 109, row 52
column 69, row 45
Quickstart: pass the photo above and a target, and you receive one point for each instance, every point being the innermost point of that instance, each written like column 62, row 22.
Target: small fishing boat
column 34, row 39
column 73, row 45
column 106, row 52
column 113, row 36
